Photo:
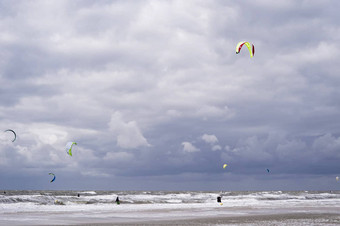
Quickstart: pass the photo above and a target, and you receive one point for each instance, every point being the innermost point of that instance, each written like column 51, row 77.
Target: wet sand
column 269, row 219
column 170, row 215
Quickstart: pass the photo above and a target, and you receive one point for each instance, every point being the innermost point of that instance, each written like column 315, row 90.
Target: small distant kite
column 224, row 166
column 53, row 177
column 337, row 178
column 69, row 146
column 250, row 47
column 268, row 170
column 15, row 135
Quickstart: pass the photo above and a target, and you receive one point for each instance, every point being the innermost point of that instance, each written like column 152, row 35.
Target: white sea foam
column 88, row 192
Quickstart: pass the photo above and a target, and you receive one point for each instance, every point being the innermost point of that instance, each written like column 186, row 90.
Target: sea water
column 75, row 207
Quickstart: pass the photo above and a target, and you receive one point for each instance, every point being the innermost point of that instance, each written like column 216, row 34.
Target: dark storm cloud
column 153, row 90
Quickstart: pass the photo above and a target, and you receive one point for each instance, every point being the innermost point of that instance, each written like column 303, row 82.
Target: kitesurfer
column 219, row 199
column 117, row 200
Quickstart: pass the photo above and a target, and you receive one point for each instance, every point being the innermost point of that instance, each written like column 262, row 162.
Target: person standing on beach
column 117, row 200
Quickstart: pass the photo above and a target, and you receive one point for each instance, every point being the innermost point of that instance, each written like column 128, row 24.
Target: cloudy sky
column 157, row 99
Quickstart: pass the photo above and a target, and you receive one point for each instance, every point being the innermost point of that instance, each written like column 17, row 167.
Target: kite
column 15, row 135
column 53, row 177
column 224, row 166
column 69, row 146
column 250, row 47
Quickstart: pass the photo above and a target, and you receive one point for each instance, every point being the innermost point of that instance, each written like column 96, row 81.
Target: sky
column 156, row 98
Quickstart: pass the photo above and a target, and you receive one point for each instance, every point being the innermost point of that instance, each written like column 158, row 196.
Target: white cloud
column 94, row 173
column 210, row 139
column 48, row 133
column 188, row 147
column 214, row 111
column 128, row 134
column 216, row 148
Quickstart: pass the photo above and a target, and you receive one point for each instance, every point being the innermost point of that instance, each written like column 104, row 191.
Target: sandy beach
column 184, row 216
column 272, row 219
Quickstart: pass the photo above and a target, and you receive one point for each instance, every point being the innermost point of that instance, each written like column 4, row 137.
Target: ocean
column 99, row 207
